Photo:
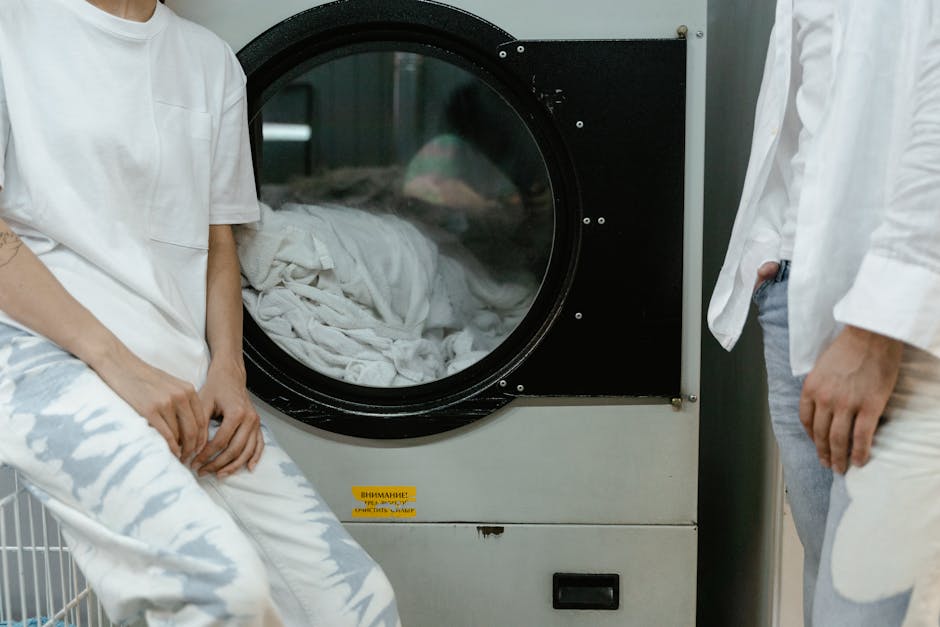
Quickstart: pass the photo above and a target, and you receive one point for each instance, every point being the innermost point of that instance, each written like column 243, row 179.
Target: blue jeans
column 818, row 498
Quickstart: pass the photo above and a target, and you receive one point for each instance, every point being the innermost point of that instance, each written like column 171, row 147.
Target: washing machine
column 472, row 305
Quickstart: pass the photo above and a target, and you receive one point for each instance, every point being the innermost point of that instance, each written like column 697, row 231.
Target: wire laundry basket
column 40, row 585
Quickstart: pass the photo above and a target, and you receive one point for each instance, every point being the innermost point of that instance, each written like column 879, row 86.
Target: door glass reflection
column 407, row 219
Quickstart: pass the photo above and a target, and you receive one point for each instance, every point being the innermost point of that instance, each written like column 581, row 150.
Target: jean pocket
column 758, row 294
column 179, row 210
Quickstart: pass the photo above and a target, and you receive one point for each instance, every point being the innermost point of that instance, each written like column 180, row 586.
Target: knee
column 232, row 587
column 247, row 598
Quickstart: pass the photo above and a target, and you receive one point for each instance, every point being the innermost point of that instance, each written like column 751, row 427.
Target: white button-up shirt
column 867, row 242
column 812, row 37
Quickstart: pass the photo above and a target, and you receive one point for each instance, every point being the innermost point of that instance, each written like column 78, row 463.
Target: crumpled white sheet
column 368, row 298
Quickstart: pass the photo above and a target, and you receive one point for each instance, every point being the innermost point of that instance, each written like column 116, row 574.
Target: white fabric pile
column 368, row 298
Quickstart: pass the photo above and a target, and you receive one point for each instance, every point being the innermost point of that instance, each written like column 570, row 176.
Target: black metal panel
column 624, row 163
column 620, row 107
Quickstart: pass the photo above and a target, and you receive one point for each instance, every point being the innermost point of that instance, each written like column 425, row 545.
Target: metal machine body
column 554, row 482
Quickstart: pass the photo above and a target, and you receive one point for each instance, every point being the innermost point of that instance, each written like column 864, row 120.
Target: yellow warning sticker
column 385, row 501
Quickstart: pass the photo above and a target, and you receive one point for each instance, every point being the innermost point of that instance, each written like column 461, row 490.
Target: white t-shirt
column 120, row 143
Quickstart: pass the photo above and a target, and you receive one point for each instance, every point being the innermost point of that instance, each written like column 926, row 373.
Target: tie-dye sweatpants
column 256, row 548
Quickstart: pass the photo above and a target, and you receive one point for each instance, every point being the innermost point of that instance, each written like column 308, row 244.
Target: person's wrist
column 876, row 341
column 102, row 351
column 228, row 363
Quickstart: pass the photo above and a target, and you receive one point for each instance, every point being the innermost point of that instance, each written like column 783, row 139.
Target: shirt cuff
column 895, row 299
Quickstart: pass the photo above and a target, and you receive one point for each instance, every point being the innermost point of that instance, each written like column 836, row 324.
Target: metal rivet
column 693, row 398
column 578, row 316
column 586, row 220
column 502, row 383
column 579, row 124
column 601, row 220
column 502, row 54
column 520, row 388
column 520, row 49
column 700, row 34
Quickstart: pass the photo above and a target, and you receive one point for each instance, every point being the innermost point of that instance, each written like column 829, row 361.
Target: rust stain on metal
column 486, row 532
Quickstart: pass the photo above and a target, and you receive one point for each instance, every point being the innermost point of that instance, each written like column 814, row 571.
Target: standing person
column 837, row 241
column 124, row 159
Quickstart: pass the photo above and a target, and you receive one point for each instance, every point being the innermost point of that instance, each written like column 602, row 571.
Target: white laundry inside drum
column 371, row 298
column 406, row 231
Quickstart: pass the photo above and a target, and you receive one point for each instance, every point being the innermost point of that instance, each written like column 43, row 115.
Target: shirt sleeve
column 233, row 196
column 897, row 290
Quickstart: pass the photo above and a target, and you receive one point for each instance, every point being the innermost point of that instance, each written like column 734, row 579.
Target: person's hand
column 766, row 273
column 238, row 441
column 170, row 405
column 846, row 393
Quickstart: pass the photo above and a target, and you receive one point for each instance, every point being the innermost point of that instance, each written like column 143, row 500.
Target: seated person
column 123, row 162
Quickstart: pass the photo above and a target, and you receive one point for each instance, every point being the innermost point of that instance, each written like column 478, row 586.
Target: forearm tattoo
column 9, row 246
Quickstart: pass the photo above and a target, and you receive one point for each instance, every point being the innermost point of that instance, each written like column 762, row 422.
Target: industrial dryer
column 472, row 302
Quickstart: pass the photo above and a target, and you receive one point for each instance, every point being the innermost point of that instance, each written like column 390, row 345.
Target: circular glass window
column 407, row 219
